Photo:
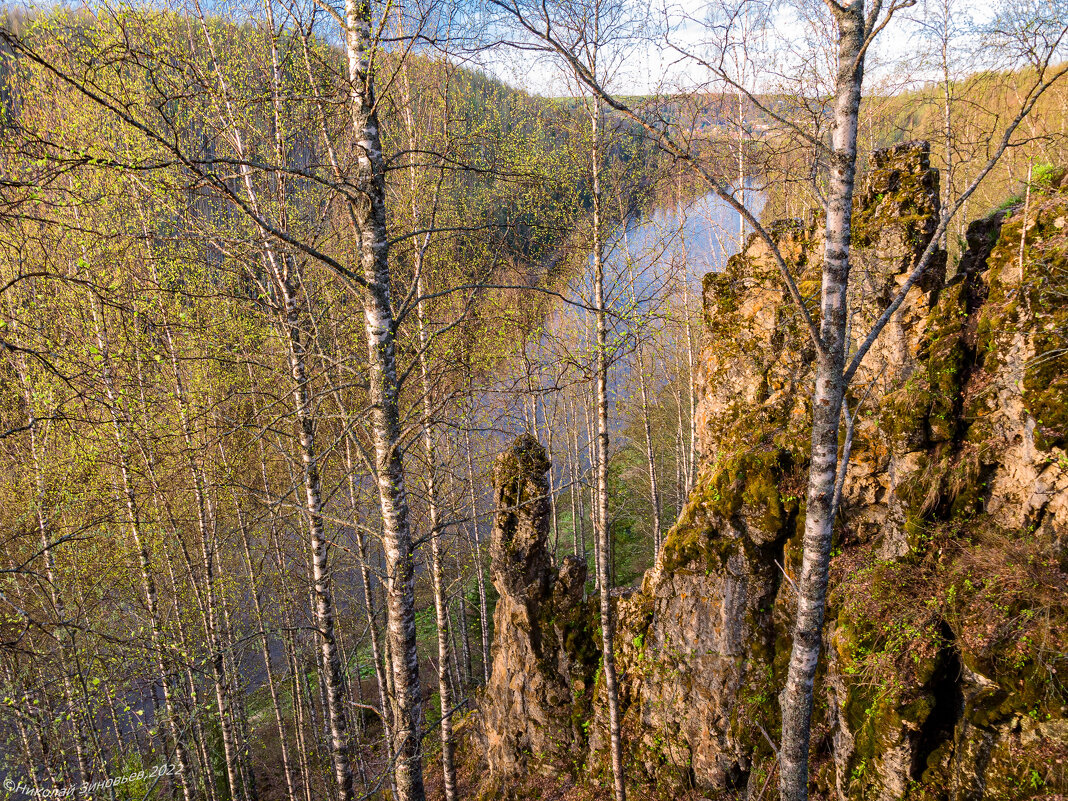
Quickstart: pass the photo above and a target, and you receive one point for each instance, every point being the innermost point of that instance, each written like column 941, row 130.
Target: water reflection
column 654, row 264
column 689, row 239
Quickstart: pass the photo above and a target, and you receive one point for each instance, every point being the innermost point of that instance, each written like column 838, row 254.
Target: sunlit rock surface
column 946, row 646
column 543, row 655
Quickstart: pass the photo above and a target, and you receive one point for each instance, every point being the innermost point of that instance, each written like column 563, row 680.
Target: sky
column 654, row 61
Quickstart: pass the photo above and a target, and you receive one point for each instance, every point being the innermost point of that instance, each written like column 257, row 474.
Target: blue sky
column 790, row 38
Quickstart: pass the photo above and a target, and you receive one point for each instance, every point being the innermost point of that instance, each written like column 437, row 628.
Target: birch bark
column 476, row 544
column 601, row 453
column 654, row 490
column 796, row 697
column 368, row 214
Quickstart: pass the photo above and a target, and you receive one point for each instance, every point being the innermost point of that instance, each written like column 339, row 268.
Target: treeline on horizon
column 960, row 138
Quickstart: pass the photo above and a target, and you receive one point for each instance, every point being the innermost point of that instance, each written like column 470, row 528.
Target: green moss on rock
column 746, row 488
column 926, row 408
column 1028, row 283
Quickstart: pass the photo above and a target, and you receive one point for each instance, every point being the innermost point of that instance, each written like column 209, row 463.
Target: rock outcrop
column 947, row 633
column 946, row 645
column 543, row 650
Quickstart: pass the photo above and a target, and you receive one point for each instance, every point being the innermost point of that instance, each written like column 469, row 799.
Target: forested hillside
column 957, row 118
column 375, row 429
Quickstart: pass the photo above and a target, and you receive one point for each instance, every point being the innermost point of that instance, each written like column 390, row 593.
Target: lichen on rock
column 955, row 494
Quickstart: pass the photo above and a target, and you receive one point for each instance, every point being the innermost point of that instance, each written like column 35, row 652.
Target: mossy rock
column 745, row 488
column 901, row 191
column 1028, row 292
column 926, row 408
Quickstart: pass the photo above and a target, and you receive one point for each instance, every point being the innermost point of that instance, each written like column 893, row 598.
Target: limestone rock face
column 957, row 479
column 946, row 640
column 756, row 357
column 708, row 623
column 543, row 653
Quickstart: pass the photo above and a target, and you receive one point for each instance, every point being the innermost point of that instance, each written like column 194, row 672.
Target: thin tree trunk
column 576, row 513
column 579, row 492
column 148, row 583
column 50, row 715
column 196, row 725
column 592, row 443
column 319, row 709
column 741, row 168
column 369, row 220
column 265, row 652
column 464, row 650
column 385, row 713
column 289, row 637
column 212, row 618
column 444, row 647
column 454, row 666
column 361, row 699
column 283, row 270
column 66, row 638
column 691, row 455
column 654, row 491
column 237, row 703
column 480, row 579
column 465, row 634
column 90, row 717
column 299, row 724
column 947, row 114
column 323, row 608
column 208, row 606
column 32, row 763
column 601, row 516
column 116, row 734
column 301, row 704
column 445, row 655
column 552, row 491
column 680, row 456
column 796, row 699
column 289, row 640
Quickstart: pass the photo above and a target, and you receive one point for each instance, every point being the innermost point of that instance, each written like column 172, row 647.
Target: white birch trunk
column 369, row 219
column 265, row 653
column 66, row 638
column 437, row 572
column 212, row 620
column 654, row 490
column 480, row 579
column 369, row 606
column 796, row 698
column 601, row 464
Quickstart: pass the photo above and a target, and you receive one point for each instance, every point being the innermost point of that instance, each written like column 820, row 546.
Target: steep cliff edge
column 946, row 646
column 947, row 636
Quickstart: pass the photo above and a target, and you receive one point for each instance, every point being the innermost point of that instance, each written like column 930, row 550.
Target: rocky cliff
column 946, row 646
column 544, row 659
